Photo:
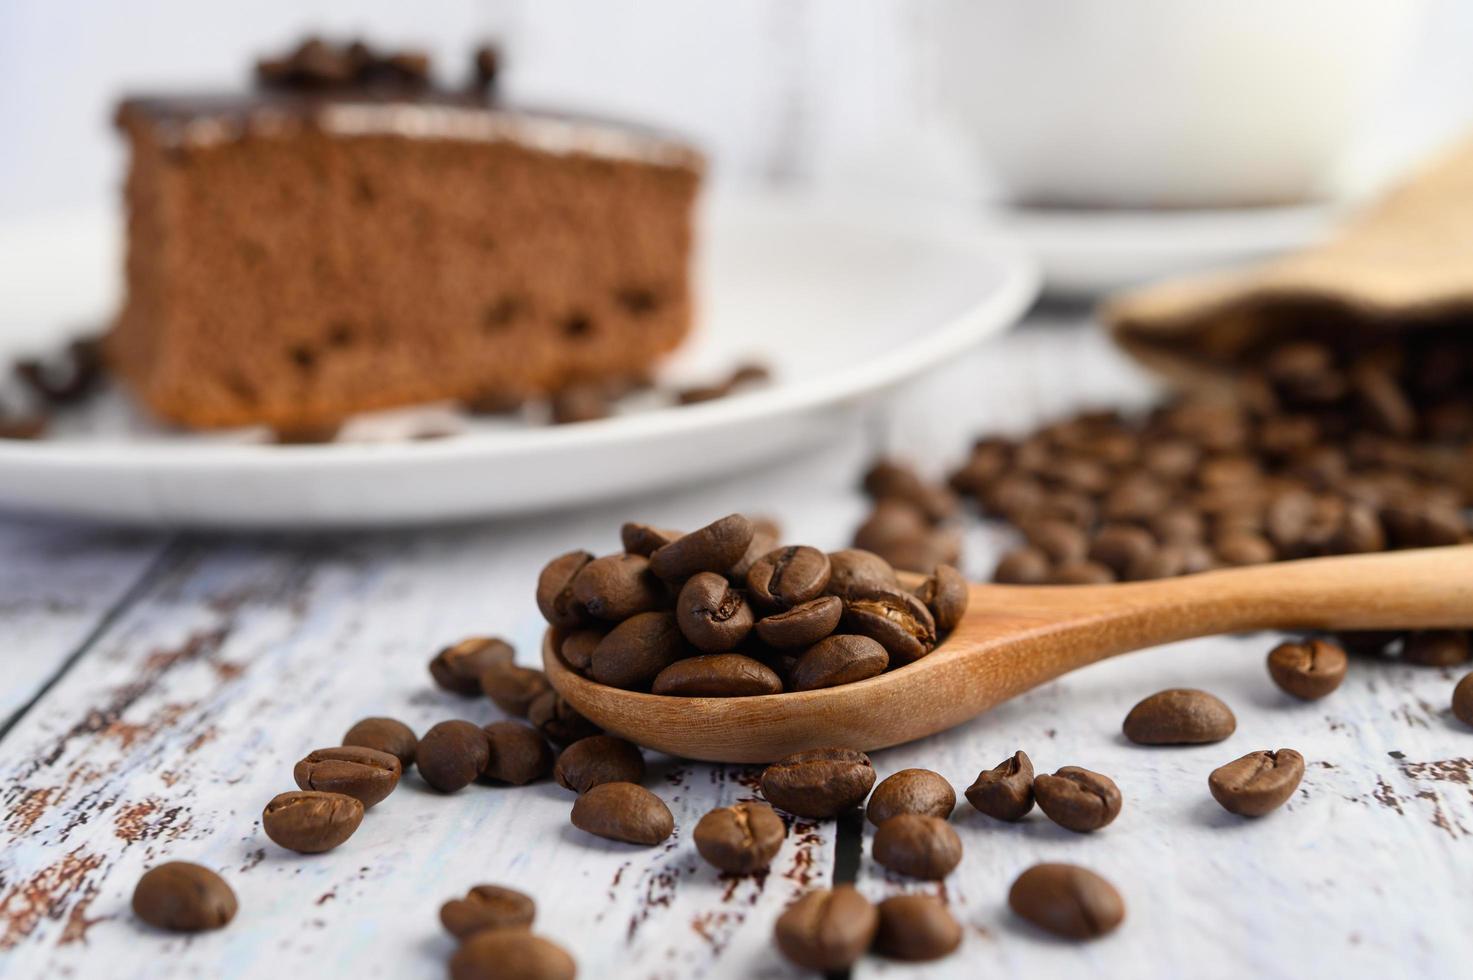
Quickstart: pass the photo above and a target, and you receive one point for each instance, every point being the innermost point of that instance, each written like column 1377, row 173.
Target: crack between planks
column 167, row 558
column 848, row 848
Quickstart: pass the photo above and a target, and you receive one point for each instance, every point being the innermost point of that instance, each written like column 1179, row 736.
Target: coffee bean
column 918, row 845
column 579, row 403
column 714, row 548
column 558, row 720
column 487, row 907
column 385, row 735
column 827, row 930
column 1244, row 548
column 1258, row 782
column 311, row 822
column 511, row 954
column 1308, row 670
column 1178, row 525
column 596, row 760
column 893, row 526
column 945, row 594
column 183, row 897
column 1067, row 900
column 887, row 479
column 838, row 659
column 1385, row 405
column 741, row 839
column 1004, row 792
column 1077, row 799
column 712, row 615
column 818, row 783
column 1179, row 716
column 717, row 675
column 1023, row 566
column 853, row 570
column 1081, row 573
column 452, row 754
column 1436, row 648
column 765, row 537
column 898, row 621
column 518, row 754
column 916, row 928
column 367, row 775
column 513, row 688
column 645, row 539
column 911, row 791
column 616, row 587
column 1058, row 539
column 635, row 651
column 803, row 625
column 1116, row 546
column 1463, row 700
column 788, row 577
column 458, row 668
column 577, row 648
column 624, row 812
column 555, row 591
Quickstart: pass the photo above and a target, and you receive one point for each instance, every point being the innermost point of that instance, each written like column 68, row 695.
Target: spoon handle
column 1429, row 588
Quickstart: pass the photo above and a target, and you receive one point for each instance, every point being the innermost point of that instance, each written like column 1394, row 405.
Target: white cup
column 1168, row 103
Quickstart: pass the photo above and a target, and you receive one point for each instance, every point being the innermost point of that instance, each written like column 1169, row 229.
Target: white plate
column 842, row 304
column 1086, row 253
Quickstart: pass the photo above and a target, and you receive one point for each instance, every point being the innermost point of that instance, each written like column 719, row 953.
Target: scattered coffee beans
column 1027, row 566
column 818, row 783
column 1308, row 670
column 458, row 667
column 711, row 614
column 1179, row 716
column 310, row 822
column 1077, row 799
column 916, row 928
column 910, row 526
column 512, row 688
column 623, row 812
column 1258, row 782
column 367, row 775
column 452, row 754
column 827, row 929
column 596, row 760
column 741, row 839
column 385, row 735
column 1463, row 700
column 518, row 754
column 1005, row 791
column 183, row 897
column 717, row 675
column 558, row 720
column 1067, row 900
column 1436, row 648
column 499, row 954
column 911, row 791
column 918, row 845
column 838, row 659
column 487, row 907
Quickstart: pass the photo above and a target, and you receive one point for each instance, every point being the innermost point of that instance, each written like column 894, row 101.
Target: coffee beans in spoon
column 694, row 621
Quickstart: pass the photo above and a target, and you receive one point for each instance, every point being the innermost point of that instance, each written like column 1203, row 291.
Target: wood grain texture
column 237, row 656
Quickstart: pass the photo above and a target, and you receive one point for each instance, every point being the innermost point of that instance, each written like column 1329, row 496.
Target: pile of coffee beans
column 913, row 524
column 726, row 611
column 1321, row 453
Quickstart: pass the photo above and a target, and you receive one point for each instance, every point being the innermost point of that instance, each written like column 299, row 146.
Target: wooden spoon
column 1015, row 638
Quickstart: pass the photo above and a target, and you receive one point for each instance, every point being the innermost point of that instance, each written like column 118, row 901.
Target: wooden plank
column 57, row 582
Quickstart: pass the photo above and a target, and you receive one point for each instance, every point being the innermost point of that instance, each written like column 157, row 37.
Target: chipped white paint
column 232, row 658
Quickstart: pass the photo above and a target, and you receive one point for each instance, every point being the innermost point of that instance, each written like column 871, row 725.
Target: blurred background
column 876, row 95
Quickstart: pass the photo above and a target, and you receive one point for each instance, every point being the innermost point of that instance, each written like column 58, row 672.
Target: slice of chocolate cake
column 349, row 237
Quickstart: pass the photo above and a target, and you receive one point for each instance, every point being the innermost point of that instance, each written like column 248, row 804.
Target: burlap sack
column 1403, row 264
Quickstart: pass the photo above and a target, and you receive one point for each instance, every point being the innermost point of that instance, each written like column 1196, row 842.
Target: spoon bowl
column 1014, row 638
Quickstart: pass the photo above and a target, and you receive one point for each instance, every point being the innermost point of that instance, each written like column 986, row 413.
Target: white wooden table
column 158, row 687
